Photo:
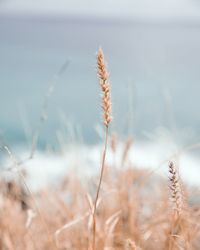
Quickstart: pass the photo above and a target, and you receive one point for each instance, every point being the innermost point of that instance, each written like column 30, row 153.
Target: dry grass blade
column 69, row 225
column 130, row 245
column 112, row 218
column 30, row 216
column 110, row 226
column 44, row 115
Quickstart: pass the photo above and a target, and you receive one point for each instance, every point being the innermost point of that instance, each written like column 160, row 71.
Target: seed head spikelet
column 105, row 87
column 175, row 188
column 179, row 231
column 101, row 66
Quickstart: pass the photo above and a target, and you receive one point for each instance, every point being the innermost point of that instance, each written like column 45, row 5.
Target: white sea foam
column 46, row 168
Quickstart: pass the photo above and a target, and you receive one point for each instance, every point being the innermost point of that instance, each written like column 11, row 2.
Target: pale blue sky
column 178, row 9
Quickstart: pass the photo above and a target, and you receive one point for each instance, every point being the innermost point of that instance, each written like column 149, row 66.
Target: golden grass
column 106, row 106
column 135, row 210
column 105, row 87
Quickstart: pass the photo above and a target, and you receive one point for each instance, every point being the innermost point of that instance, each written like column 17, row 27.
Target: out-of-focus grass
column 135, row 211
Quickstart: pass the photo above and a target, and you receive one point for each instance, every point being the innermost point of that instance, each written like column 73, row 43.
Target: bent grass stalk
column 106, row 107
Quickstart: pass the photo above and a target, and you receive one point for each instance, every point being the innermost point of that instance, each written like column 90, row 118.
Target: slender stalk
column 107, row 118
column 98, row 189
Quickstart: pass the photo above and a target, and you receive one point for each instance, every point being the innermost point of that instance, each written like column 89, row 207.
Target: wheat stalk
column 176, row 227
column 106, row 107
column 105, row 87
column 175, row 188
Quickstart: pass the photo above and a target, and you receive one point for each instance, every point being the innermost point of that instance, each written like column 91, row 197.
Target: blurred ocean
column 155, row 80
column 154, row 74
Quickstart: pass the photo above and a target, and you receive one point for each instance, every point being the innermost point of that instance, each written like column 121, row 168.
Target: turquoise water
column 154, row 70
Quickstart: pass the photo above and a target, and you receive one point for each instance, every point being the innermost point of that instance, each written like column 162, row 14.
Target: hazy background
column 153, row 53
